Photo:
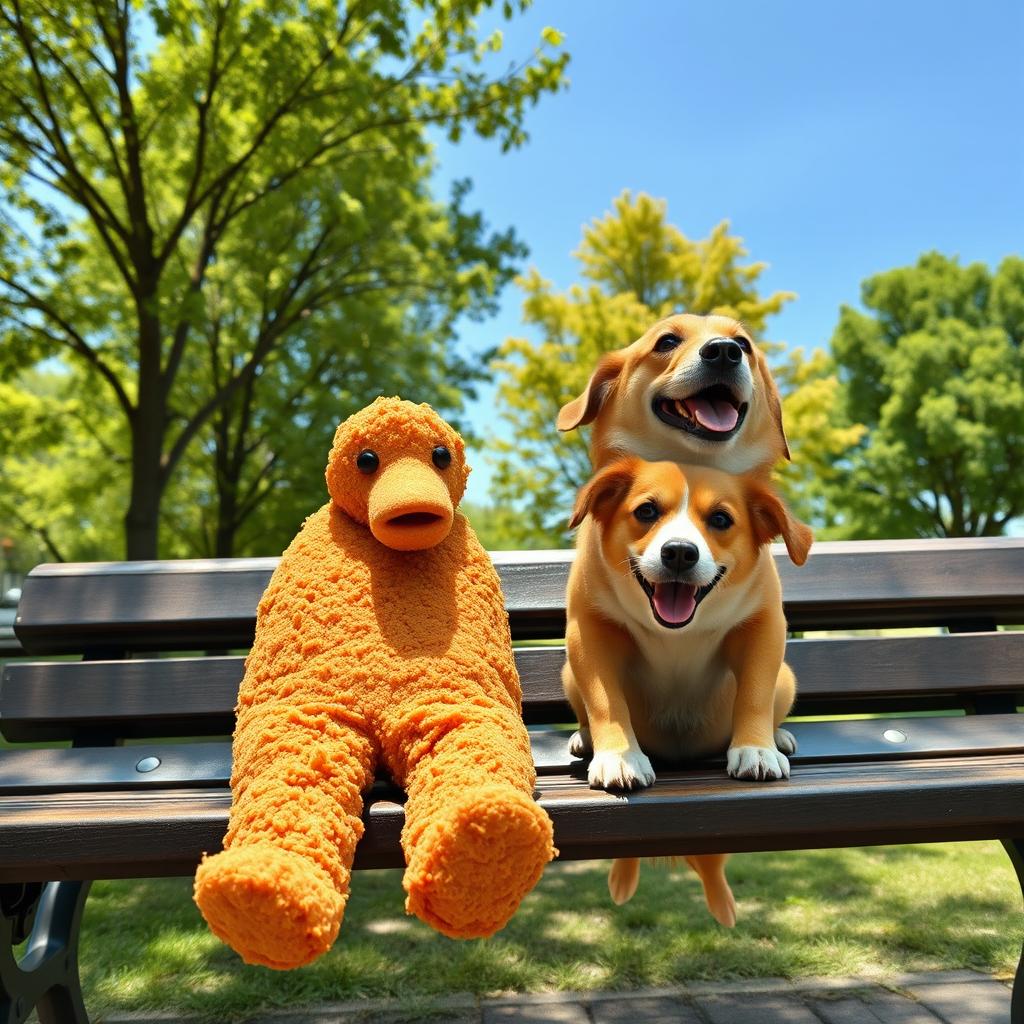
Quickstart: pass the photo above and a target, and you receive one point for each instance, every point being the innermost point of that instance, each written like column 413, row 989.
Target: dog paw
column 579, row 743
column 757, row 763
column 785, row 741
column 631, row 770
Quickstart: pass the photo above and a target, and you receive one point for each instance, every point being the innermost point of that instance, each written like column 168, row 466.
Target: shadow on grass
column 800, row 913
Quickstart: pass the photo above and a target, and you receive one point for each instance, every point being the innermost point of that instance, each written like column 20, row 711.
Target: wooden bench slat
column 143, row 834
column 199, row 604
column 853, row 740
column 196, row 696
column 85, row 769
column 208, row 764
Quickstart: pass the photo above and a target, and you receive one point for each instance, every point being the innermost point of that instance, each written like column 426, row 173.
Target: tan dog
column 693, row 389
column 676, row 633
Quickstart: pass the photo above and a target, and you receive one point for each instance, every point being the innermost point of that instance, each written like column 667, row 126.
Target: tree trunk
column 141, row 522
column 227, row 519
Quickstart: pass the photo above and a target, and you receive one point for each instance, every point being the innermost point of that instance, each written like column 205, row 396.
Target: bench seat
column 118, row 763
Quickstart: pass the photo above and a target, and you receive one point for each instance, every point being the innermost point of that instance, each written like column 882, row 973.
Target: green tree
column 819, row 437
column 385, row 325
column 59, row 468
column 637, row 268
column 146, row 141
column 934, row 367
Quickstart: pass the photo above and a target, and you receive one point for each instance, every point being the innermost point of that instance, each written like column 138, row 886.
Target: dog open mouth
column 674, row 603
column 714, row 413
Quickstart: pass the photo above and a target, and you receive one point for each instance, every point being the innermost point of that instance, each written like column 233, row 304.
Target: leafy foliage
column 637, row 267
column 163, row 155
column 935, row 369
column 61, row 469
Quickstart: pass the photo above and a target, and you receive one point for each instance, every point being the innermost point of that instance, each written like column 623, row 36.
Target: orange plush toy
column 382, row 639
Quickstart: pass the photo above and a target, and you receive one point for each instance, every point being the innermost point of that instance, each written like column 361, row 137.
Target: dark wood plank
column 198, row 604
column 83, row 769
column 139, row 834
column 196, row 696
column 873, row 739
column 208, row 764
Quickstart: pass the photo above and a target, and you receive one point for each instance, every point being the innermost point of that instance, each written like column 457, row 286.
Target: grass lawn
column 863, row 912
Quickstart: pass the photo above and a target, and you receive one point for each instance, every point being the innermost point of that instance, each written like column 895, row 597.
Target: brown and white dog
column 693, row 389
column 676, row 633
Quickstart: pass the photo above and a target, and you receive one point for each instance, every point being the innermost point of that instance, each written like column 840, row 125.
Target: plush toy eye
column 647, row 512
column 441, row 456
column 667, row 342
column 720, row 520
column 367, row 461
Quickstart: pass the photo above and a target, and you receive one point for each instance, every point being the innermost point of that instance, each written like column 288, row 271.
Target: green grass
column 861, row 912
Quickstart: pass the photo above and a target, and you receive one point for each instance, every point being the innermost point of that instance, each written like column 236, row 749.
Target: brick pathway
column 948, row 997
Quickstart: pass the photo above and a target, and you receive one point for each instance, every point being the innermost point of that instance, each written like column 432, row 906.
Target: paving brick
column 740, row 986
column 972, row 1002
column 755, row 1008
column 893, row 1008
column 536, row 1013
column 909, row 981
column 846, row 1010
column 664, row 1010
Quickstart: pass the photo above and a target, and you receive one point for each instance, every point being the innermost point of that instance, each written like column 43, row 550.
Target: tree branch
column 71, row 339
column 41, row 531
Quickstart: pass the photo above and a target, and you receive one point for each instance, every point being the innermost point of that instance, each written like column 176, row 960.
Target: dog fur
column 633, row 391
column 688, row 663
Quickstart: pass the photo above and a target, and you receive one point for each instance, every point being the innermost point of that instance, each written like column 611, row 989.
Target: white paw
column 785, row 741
column 579, row 743
column 630, row 770
column 757, row 763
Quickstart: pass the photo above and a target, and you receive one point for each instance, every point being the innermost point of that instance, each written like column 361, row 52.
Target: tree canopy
column 934, row 368
column 198, row 193
column 637, row 267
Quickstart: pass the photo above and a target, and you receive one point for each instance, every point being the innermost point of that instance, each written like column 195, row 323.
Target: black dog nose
column 679, row 554
column 721, row 353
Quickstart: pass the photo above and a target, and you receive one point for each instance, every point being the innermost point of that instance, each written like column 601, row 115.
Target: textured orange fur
column 380, row 640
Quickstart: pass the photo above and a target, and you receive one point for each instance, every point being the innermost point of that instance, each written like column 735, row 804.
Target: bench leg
column 1015, row 848
column 46, row 978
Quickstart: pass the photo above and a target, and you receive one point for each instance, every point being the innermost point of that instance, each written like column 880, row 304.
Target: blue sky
column 840, row 139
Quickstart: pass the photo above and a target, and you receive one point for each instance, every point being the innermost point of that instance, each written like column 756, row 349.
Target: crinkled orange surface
column 367, row 655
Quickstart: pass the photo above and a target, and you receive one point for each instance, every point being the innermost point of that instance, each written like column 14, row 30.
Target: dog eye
column 744, row 343
column 667, row 342
column 720, row 520
column 647, row 512
column 441, row 456
column 367, row 461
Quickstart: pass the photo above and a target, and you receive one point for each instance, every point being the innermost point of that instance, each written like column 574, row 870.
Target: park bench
column 122, row 801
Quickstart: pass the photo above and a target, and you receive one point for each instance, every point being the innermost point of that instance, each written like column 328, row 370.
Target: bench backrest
column 146, row 630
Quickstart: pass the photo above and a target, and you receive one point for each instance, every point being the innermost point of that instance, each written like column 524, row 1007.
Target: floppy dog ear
column 582, row 410
column 603, row 490
column 770, row 518
column 771, row 393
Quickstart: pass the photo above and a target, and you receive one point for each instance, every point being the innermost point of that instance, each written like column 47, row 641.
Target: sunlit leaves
column 250, row 171
column 637, row 267
column 935, row 369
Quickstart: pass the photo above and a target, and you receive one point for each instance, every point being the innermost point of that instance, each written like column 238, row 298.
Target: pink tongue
column 674, row 602
column 713, row 415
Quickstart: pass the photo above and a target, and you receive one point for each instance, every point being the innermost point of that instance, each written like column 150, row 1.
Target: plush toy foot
column 272, row 906
column 471, row 869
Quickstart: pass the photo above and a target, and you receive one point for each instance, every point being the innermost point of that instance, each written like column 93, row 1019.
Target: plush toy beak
column 409, row 506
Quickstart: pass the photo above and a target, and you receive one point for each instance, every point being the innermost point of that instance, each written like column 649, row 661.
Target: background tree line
column 219, row 238
column 910, row 424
